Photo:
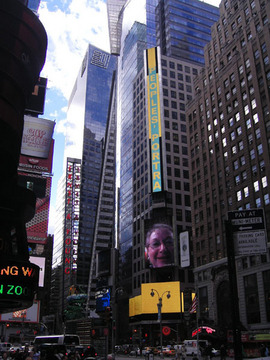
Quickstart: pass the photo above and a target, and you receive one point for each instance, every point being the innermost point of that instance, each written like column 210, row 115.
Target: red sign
column 166, row 330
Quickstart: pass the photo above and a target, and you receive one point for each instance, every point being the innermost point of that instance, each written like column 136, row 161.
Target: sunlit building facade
column 228, row 131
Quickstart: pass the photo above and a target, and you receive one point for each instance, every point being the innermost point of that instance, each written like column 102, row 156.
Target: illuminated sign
column 160, row 242
column 208, row 330
column 154, row 119
column 73, row 184
column 18, row 284
column 147, row 304
column 103, row 299
column 30, row 315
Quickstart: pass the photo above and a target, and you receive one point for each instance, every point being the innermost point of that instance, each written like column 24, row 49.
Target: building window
column 239, row 195
column 260, row 149
column 255, row 118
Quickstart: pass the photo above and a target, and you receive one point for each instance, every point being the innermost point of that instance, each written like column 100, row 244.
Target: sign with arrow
column 248, row 228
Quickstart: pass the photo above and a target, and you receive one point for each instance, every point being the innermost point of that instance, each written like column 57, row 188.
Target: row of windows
column 179, row 67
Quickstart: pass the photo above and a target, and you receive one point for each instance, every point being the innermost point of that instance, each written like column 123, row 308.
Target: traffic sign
column 248, row 227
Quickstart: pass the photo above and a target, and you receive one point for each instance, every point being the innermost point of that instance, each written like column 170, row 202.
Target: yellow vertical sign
column 154, row 121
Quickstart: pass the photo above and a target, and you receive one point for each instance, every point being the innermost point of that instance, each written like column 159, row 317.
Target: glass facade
column 184, row 28
column 131, row 63
column 34, row 5
column 87, row 118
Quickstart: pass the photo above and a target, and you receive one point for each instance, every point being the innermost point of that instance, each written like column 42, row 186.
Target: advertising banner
column 30, row 315
column 146, row 303
column 154, row 119
column 37, row 137
column 184, row 249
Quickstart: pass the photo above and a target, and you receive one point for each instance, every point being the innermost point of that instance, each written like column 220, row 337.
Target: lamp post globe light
column 159, row 306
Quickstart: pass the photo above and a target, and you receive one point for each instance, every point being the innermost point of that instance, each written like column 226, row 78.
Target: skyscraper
column 137, row 202
column 228, row 131
column 34, row 5
column 183, row 28
column 84, row 154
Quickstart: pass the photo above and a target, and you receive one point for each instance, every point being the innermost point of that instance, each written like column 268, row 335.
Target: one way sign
column 248, row 227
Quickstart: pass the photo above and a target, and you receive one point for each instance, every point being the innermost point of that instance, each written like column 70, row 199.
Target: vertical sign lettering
column 154, row 119
column 73, row 183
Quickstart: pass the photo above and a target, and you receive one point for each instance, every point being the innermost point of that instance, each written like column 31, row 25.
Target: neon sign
column 208, row 329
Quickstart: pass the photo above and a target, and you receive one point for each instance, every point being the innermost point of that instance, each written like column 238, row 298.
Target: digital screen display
column 159, row 243
column 18, row 281
column 103, row 299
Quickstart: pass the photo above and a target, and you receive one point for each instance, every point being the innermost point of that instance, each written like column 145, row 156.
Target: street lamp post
column 159, row 306
column 114, row 317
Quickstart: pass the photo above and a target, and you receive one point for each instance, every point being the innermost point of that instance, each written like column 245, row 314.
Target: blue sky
column 70, row 25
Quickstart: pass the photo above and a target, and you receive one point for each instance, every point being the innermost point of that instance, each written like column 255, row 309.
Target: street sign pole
column 234, row 292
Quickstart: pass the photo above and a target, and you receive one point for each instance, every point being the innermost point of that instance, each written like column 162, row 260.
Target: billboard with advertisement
column 37, row 136
column 34, row 174
column 29, row 315
column 154, row 98
column 184, row 249
column 103, row 299
column 160, row 242
column 37, row 165
column 147, row 304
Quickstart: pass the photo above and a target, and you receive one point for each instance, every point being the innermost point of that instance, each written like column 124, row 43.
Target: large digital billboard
column 160, row 242
column 154, row 119
column 147, row 303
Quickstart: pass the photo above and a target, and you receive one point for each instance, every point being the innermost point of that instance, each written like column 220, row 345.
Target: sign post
column 234, row 292
column 245, row 235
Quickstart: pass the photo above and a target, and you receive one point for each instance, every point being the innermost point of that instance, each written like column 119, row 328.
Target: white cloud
column 69, row 34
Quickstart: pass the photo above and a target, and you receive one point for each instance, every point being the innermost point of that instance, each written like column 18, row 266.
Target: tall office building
column 137, row 201
column 80, row 186
column 127, row 69
column 183, row 28
column 228, row 131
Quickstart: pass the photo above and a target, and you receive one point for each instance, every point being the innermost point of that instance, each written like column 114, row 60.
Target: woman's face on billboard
column 160, row 247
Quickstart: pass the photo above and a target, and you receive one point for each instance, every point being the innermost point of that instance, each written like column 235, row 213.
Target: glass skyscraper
column 184, row 28
column 87, row 118
column 34, row 5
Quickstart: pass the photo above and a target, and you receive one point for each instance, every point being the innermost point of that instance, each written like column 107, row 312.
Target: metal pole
column 159, row 305
column 234, row 292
